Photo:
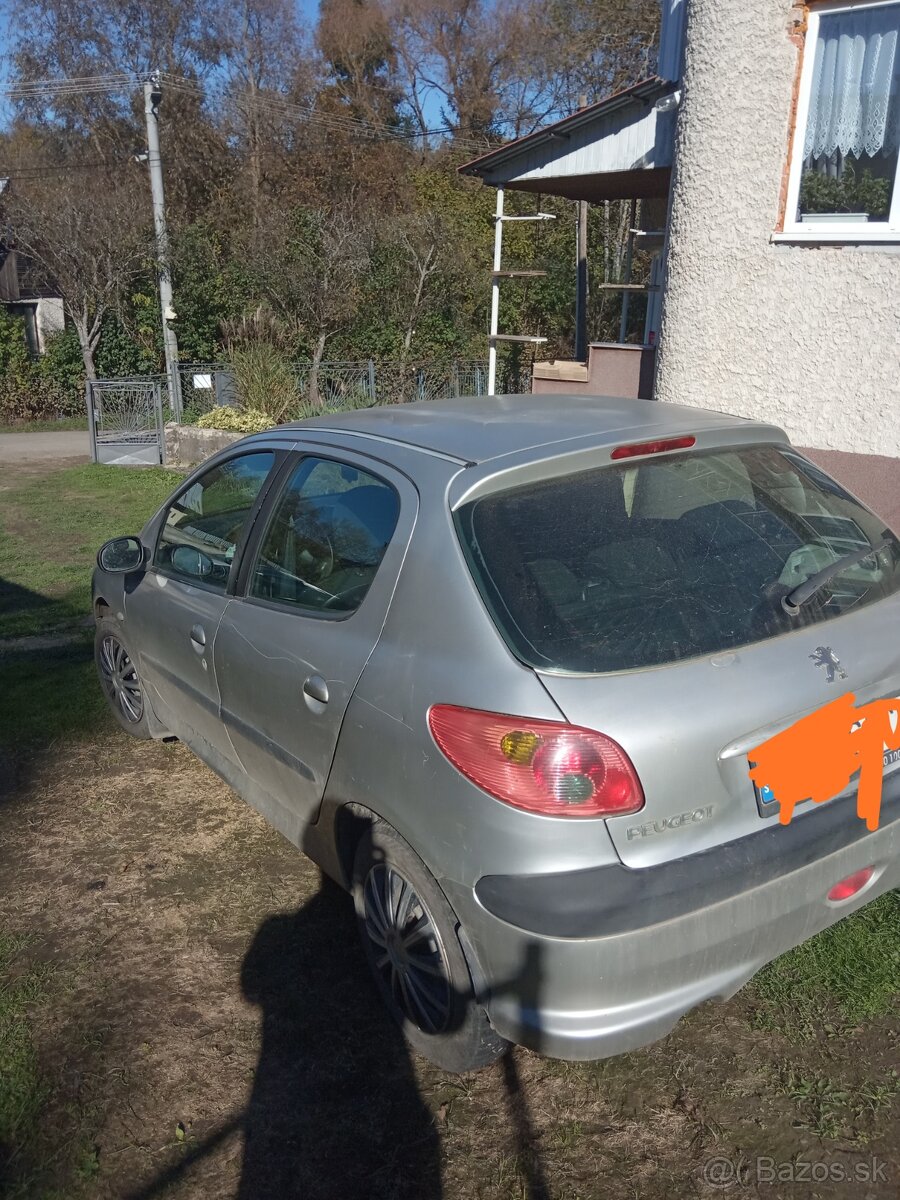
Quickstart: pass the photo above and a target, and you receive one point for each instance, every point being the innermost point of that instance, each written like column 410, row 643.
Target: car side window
column 326, row 538
column 203, row 525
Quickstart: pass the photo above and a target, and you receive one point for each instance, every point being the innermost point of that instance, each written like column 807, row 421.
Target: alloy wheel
column 120, row 679
column 406, row 948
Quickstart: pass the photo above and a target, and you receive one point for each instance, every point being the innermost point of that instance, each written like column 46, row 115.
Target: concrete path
column 34, row 447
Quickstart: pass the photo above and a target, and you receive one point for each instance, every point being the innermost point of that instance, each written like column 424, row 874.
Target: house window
column 844, row 182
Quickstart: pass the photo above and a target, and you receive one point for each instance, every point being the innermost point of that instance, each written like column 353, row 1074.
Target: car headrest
column 374, row 508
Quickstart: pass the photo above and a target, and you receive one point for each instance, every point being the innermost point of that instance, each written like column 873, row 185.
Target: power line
column 91, row 85
column 286, row 107
column 335, row 121
column 85, row 85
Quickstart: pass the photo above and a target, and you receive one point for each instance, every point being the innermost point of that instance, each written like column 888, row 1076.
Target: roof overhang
column 641, row 184
column 618, row 148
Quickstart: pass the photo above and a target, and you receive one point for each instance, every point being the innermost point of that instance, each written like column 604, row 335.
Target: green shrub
column 120, row 356
column 264, row 379
column 851, row 193
column 15, row 361
column 28, row 391
column 235, row 420
column 34, row 400
column 62, row 366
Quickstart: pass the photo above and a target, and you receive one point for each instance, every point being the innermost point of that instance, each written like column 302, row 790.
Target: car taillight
column 542, row 766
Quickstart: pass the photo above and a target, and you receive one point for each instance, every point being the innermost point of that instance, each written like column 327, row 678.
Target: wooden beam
column 626, row 287
column 516, row 337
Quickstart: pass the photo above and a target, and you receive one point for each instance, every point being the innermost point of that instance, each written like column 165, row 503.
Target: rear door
column 315, row 593
column 648, row 596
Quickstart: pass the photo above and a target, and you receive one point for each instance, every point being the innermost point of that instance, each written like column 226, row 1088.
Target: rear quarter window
column 643, row 564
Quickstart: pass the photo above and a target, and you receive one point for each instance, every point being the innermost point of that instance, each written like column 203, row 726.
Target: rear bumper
column 617, row 899
column 583, row 997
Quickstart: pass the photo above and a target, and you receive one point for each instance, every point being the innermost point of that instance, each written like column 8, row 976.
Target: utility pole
column 152, row 98
column 581, row 273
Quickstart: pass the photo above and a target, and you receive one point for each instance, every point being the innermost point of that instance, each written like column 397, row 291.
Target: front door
column 175, row 608
column 318, row 585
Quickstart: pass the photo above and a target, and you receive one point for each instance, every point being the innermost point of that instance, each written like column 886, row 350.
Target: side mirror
column 121, row 556
column 186, row 560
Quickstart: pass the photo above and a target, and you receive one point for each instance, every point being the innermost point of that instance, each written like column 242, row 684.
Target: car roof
column 478, row 429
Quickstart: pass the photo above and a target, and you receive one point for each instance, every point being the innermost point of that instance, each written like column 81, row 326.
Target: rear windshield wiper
column 800, row 594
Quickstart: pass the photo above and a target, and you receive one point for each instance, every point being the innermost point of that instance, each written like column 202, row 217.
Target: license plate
column 767, row 802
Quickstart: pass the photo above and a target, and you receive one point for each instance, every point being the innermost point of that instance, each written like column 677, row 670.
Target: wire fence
column 346, row 385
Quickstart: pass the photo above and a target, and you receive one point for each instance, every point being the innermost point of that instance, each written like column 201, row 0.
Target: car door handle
column 198, row 638
column 316, row 688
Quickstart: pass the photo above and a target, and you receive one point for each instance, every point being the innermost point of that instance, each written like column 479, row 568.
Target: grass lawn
column 855, row 963
column 51, row 526
column 173, row 975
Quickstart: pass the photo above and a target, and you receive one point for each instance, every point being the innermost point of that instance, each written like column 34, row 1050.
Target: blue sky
column 309, row 9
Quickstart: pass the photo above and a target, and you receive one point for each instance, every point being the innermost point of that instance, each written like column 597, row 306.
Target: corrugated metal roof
column 623, row 133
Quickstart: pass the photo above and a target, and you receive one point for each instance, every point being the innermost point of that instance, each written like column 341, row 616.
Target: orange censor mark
column 818, row 755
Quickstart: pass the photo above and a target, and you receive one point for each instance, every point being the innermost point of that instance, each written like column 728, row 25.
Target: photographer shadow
column 335, row 1110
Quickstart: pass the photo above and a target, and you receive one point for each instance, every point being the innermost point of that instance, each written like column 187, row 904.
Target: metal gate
column 125, row 417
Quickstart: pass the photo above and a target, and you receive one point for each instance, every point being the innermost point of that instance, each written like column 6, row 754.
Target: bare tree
column 310, row 267
column 88, row 242
column 268, row 146
column 356, row 43
column 109, row 39
column 263, row 49
column 596, row 47
column 94, row 37
column 419, row 239
column 446, row 51
column 504, row 67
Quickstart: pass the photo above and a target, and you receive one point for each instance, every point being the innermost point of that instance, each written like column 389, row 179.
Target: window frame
column 252, row 548
column 793, row 229
column 280, row 458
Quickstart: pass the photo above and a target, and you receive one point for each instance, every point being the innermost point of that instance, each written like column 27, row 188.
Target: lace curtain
column 855, row 100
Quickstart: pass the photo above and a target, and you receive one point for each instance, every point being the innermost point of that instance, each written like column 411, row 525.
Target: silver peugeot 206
column 499, row 667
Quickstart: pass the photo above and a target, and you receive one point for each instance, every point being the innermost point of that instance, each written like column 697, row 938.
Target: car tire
column 119, row 678
column 409, row 934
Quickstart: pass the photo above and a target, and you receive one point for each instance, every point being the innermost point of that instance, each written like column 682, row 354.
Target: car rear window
column 642, row 564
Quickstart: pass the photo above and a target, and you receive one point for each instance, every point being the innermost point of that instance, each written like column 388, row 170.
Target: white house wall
column 805, row 337
column 49, row 318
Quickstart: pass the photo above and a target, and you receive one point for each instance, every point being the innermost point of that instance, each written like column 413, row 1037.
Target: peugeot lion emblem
column 826, row 657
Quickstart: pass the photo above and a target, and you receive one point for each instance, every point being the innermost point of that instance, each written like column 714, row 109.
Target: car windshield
column 642, row 564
